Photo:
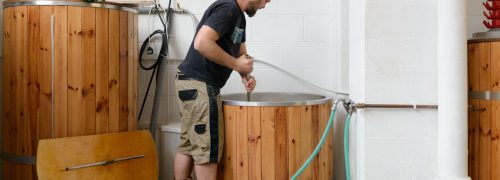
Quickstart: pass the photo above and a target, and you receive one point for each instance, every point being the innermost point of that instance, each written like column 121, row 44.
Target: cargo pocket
column 187, row 95
column 200, row 128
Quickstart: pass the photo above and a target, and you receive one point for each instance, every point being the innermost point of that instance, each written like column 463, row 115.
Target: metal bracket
column 19, row 159
column 474, row 109
column 102, row 163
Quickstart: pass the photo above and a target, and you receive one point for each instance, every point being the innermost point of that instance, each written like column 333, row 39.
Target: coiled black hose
column 161, row 56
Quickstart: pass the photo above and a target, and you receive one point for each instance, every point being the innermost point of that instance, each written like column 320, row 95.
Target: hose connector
column 350, row 106
column 334, row 108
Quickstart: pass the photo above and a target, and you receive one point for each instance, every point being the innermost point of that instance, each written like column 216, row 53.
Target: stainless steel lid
column 490, row 35
column 275, row 99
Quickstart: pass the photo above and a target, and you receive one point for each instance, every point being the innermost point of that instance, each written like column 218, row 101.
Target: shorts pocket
column 187, row 95
column 200, row 128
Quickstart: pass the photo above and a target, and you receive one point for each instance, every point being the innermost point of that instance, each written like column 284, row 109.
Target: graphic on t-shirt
column 237, row 35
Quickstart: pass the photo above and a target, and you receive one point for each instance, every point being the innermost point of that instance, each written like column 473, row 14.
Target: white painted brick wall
column 400, row 67
column 475, row 17
column 277, row 28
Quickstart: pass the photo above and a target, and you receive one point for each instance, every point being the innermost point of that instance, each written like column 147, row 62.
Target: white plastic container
column 169, row 139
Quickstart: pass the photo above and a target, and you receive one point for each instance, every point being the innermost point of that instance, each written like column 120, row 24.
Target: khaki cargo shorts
column 202, row 129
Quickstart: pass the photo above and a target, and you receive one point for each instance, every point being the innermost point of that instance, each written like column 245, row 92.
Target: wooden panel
column 8, row 21
column 495, row 110
column 13, row 93
column 323, row 153
column 495, row 66
column 33, row 92
column 22, row 82
column 61, row 71
column 281, row 148
column 241, row 141
column 473, row 66
column 473, row 143
column 485, row 141
column 21, row 104
column 485, row 64
column 56, row 154
column 254, row 144
column 229, row 156
column 294, row 146
column 136, row 75
column 495, row 135
column 32, row 81
column 130, row 66
column 45, row 74
column 114, row 71
column 316, row 131
column 473, row 116
column 123, row 71
column 102, row 70
column 329, row 141
column 306, row 139
column 485, row 116
column 88, row 70
column 24, row 135
column 268, row 142
column 75, row 120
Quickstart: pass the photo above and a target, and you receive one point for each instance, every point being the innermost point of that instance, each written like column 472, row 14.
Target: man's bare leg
column 206, row 171
column 183, row 166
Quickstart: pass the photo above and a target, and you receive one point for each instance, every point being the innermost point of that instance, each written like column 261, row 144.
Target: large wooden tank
column 69, row 69
column 484, row 106
column 272, row 135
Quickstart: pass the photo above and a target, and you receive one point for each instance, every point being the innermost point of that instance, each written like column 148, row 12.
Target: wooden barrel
column 68, row 70
column 484, row 109
column 271, row 136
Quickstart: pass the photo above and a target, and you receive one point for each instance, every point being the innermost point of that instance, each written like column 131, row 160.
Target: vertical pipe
column 452, row 90
column 157, row 98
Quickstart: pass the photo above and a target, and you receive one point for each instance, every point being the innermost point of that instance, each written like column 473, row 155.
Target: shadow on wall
column 338, row 144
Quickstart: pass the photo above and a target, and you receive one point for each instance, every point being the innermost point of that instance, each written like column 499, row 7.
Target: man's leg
column 183, row 166
column 206, row 171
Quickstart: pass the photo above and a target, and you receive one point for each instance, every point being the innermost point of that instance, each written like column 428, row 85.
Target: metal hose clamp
column 334, row 108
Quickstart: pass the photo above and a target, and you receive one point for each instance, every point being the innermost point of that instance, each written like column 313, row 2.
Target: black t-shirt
column 225, row 17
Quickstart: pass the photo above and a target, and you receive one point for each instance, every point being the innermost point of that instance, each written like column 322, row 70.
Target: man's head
column 254, row 5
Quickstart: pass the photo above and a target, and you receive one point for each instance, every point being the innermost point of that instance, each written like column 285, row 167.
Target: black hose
column 147, row 92
column 161, row 56
column 163, row 50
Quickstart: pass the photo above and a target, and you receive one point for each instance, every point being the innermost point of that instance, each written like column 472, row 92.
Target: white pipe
column 452, row 90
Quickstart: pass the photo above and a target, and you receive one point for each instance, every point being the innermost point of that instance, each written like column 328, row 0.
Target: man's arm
column 243, row 52
column 243, row 49
column 205, row 43
column 248, row 81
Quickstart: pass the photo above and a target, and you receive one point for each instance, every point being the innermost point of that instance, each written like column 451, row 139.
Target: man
column 218, row 48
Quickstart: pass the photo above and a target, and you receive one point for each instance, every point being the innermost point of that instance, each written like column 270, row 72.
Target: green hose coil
column 318, row 147
column 322, row 141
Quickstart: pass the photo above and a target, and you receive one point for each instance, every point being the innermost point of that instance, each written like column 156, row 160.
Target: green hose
column 318, row 147
column 346, row 148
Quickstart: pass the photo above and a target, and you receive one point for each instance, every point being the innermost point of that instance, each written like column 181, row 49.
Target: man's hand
column 250, row 83
column 244, row 65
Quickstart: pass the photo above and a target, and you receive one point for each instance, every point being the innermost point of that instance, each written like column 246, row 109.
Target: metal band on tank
column 19, row 159
column 69, row 3
column 484, row 95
